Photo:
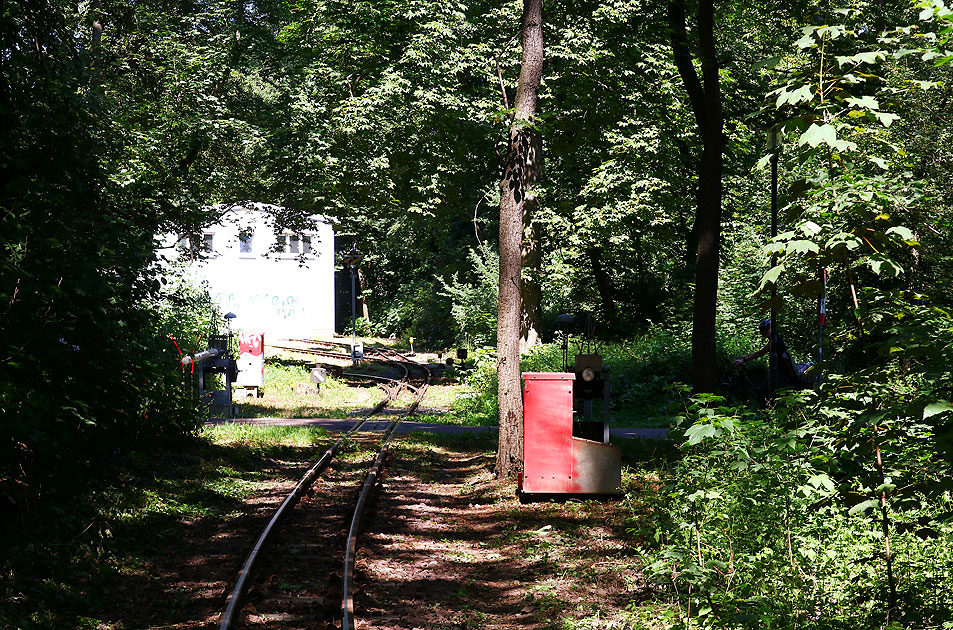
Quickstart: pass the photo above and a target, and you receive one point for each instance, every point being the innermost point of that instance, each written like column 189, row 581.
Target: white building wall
column 271, row 290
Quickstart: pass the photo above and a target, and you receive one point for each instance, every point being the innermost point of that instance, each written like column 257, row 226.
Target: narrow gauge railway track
column 301, row 568
column 396, row 358
column 319, row 342
column 385, row 353
column 313, row 351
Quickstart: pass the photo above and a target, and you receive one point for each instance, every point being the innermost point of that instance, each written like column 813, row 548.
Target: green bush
column 806, row 516
column 477, row 404
column 474, row 302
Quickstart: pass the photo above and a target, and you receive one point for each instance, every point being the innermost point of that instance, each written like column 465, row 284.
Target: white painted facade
column 279, row 284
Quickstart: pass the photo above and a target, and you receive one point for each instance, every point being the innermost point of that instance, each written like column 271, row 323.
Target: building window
column 207, row 241
column 245, row 243
column 296, row 244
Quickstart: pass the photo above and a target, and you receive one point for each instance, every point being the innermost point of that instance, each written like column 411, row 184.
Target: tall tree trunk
column 705, row 98
column 604, row 285
column 531, row 291
column 96, row 43
column 522, row 170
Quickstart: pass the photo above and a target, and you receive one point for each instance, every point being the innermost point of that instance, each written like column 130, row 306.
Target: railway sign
column 352, row 258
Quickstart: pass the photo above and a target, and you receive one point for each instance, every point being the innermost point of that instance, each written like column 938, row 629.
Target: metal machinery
column 591, row 384
column 566, row 453
column 219, row 399
column 215, row 360
column 556, row 462
column 352, row 259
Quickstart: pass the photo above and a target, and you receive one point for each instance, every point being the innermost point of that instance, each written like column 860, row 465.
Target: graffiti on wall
column 278, row 306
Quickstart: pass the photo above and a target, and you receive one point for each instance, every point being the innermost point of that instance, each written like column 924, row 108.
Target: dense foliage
column 834, row 510
column 86, row 365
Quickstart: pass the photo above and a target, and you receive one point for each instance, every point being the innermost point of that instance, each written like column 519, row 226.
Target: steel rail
column 248, row 567
column 314, row 351
column 319, row 342
column 404, row 361
column 400, row 382
column 347, row 603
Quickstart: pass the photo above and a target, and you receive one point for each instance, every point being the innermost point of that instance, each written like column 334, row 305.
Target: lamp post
column 228, row 365
column 352, row 259
column 565, row 322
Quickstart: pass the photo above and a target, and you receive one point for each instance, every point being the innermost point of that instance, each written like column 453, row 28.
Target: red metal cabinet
column 554, row 461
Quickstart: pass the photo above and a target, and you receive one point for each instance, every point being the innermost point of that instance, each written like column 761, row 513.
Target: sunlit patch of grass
column 234, row 434
column 427, row 442
column 334, row 399
column 441, row 396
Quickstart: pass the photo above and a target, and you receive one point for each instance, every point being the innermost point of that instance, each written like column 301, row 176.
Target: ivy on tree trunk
column 522, row 170
column 531, row 290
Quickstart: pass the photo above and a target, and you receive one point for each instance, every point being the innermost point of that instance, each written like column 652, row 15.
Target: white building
column 281, row 284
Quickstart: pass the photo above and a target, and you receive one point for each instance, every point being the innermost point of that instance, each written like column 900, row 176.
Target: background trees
column 121, row 121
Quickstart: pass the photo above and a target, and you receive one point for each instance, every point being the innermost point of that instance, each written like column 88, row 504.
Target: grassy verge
column 332, row 399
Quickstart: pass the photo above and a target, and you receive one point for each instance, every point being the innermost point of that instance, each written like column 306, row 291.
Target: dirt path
column 451, row 547
column 446, row 546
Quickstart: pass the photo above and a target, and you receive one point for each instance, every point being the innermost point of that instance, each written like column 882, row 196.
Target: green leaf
column 807, row 40
column 864, row 506
column 698, row 432
column 771, row 276
column 818, row 134
column 903, row 52
column 886, row 119
column 822, row 481
column 803, row 94
column 865, row 102
column 880, row 264
column 848, row 240
column 936, row 408
column 903, row 232
column 802, row 247
column 886, row 487
column 869, row 57
column 844, row 145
